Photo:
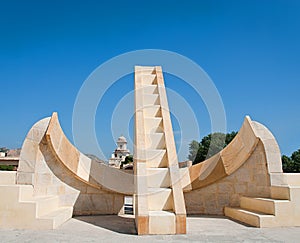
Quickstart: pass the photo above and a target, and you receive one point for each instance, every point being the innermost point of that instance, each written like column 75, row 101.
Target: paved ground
column 116, row 229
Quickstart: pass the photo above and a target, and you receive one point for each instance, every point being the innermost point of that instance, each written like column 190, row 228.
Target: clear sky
column 250, row 49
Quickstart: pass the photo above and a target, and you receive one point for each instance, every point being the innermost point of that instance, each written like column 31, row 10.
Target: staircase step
column 58, row 216
column 265, row 205
column 33, row 212
column 8, row 177
column 26, row 193
column 294, row 193
column 162, row 222
column 293, row 179
column 158, row 177
column 152, row 111
column 153, row 125
column 256, row 219
column 144, row 70
column 160, row 199
column 150, row 99
column 11, row 192
column 45, row 205
column 287, row 192
column 156, row 158
column 22, row 192
column 148, row 79
column 155, row 141
column 150, row 89
column 280, row 192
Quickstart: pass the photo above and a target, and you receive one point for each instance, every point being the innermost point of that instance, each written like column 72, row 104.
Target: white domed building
column 120, row 153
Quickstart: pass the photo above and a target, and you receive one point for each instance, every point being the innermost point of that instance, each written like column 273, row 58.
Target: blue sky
column 250, row 49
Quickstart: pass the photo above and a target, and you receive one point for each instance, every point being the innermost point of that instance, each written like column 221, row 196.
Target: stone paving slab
column 118, row 229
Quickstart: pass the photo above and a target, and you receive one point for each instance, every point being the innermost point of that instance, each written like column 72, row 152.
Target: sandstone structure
column 159, row 200
column 244, row 181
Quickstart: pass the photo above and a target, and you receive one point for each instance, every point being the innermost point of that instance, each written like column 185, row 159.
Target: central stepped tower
column 159, row 200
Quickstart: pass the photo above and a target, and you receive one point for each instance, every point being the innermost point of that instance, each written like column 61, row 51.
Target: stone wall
column 86, row 199
column 40, row 168
column 251, row 179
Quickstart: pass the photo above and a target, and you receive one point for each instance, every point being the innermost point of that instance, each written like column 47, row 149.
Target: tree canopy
column 209, row 146
column 128, row 159
column 291, row 164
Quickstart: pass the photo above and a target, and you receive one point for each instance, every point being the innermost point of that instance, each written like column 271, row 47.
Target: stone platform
column 117, row 229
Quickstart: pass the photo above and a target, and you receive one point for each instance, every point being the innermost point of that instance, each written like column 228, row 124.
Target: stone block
column 28, row 155
column 181, row 224
column 243, row 175
column 69, row 199
column 40, row 191
column 84, row 167
column 225, row 188
column 8, row 177
column 43, row 179
column 261, row 179
column 142, row 225
column 160, row 199
column 240, row 188
column 26, row 178
column 223, row 200
column 162, row 222
column 234, row 200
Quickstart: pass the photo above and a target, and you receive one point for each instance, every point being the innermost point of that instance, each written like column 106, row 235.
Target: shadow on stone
column 111, row 222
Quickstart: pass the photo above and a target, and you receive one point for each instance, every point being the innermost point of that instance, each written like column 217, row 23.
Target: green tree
column 291, row 164
column 296, row 158
column 8, row 167
column 193, row 150
column 128, row 159
column 209, row 146
column 287, row 164
column 230, row 137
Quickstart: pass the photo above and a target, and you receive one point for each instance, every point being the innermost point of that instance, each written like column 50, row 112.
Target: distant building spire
column 120, row 153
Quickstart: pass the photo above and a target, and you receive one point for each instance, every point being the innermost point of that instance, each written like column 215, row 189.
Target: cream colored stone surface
column 7, row 177
column 281, row 207
column 160, row 199
column 22, row 211
column 93, row 173
column 161, row 222
column 227, row 191
column 185, row 179
column 156, row 158
column 245, row 181
column 226, row 161
column 158, row 177
column 48, row 190
column 292, row 179
column 84, row 167
column 158, row 195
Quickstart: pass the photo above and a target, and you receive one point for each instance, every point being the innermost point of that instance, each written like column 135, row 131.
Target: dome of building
column 122, row 139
